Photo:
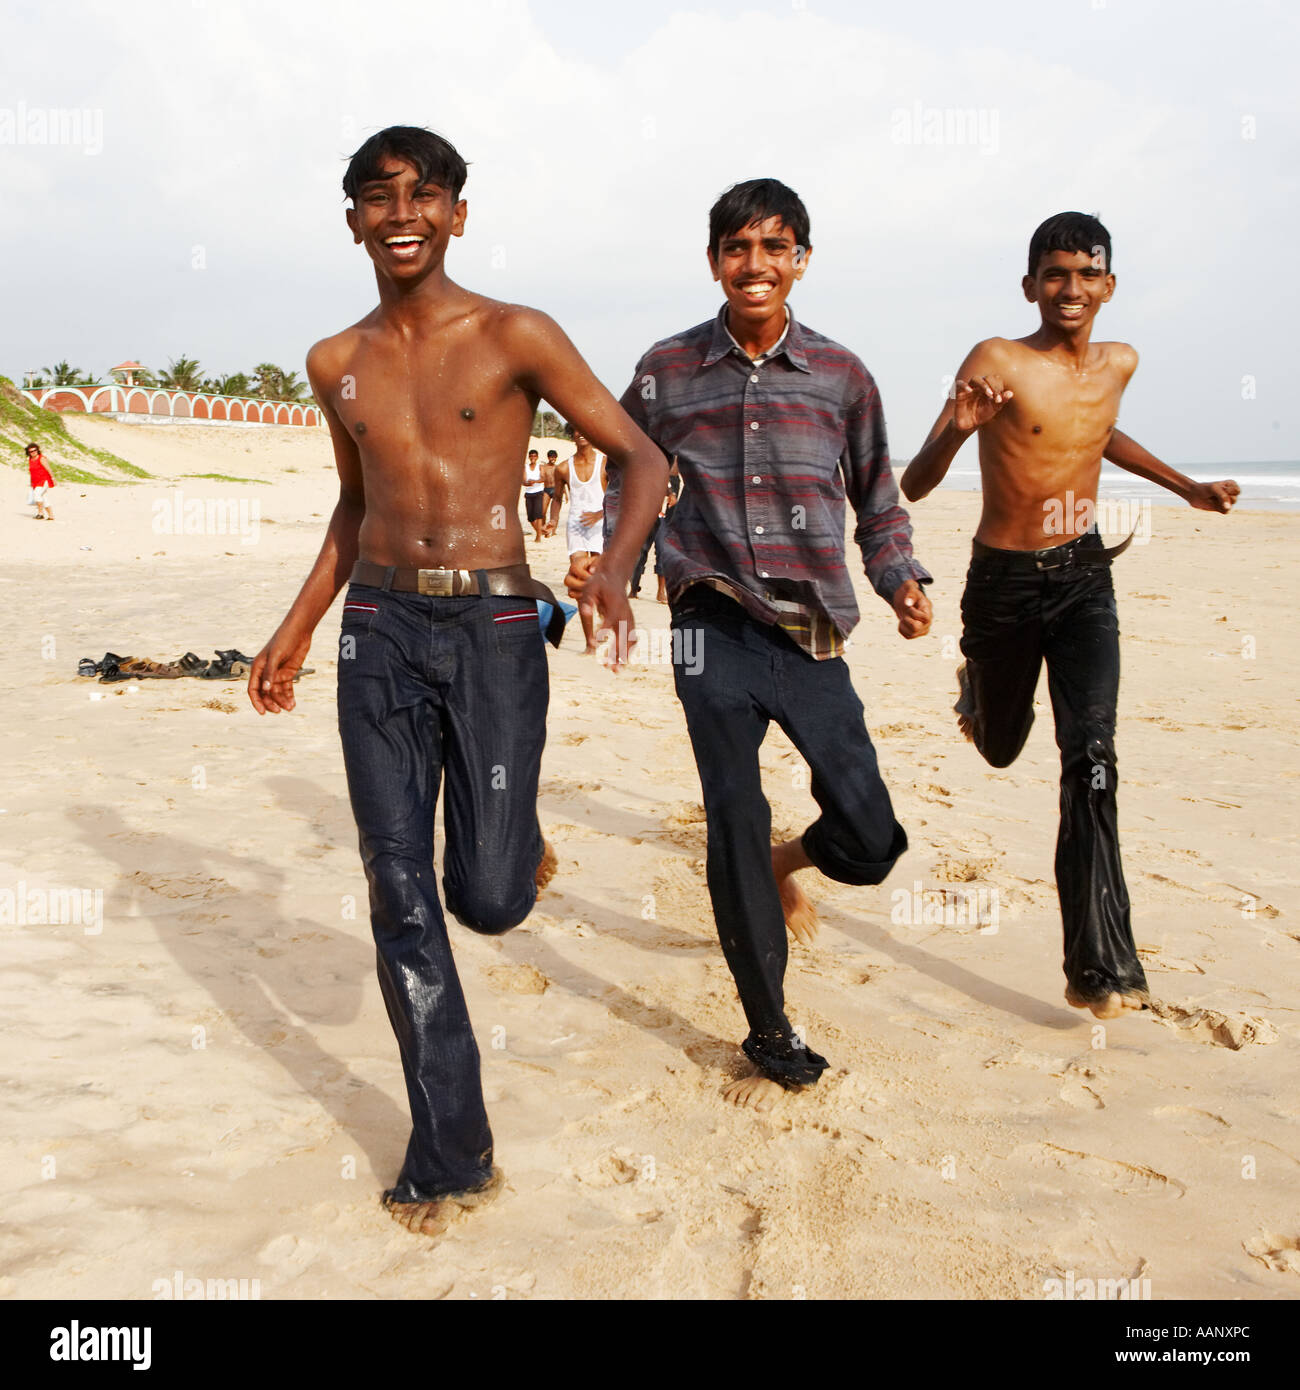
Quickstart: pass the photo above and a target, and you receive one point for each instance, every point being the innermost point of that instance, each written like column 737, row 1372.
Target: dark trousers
column 1015, row 617
column 639, row 570
column 750, row 674
column 431, row 687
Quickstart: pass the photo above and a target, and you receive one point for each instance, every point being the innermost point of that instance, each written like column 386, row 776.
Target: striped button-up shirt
column 769, row 452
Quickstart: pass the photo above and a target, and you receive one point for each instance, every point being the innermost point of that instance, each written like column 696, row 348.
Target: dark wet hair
column 1069, row 231
column 531, row 452
column 435, row 159
column 756, row 200
column 27, row 448
column 552, row 454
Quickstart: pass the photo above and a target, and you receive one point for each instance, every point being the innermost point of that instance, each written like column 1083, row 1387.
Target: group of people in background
column 584, row 477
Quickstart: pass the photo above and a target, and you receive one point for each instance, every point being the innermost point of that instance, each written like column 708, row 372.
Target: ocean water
column 1264, row 486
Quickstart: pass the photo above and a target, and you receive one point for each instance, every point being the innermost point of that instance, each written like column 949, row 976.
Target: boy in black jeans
column 443, row 678
column 774, row 428
column 1039, row 587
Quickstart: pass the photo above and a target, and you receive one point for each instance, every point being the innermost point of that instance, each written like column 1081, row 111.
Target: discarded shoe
column 87, row 666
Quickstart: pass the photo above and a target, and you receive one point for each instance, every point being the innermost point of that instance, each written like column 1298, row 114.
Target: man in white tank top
column 585, row 479
column 534, row 497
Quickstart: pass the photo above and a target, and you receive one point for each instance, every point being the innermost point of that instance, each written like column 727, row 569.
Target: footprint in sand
column 517, row 979
column 1204, row 1123
column 1235, row 1030
column 1082, row 1085
column 963, row 870
column 684, row 825
column 1155, row 957
column 681, row 899
column 610, row 1170
column 1131, row 1179
column 1281, row 1254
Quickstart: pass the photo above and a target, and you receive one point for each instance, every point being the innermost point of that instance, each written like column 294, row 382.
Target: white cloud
column 226, row 127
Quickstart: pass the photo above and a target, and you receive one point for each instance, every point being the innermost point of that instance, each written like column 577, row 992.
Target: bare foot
column 1111, row 1006
column 964, row 709
column 754, row 1092
column 433, row 1218
column 591, row 649
column 801, row 919
column 546, row 866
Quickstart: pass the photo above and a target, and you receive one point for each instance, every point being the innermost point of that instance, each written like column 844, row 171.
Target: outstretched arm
column 550, row 366
column 978, row 394
column 270, row 682
column 1129, row 455
column 557, row 495
column 884, row 531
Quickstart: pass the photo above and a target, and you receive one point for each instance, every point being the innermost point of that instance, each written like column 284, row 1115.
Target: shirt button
column 757, row 479
column 753, row 424
column 758, row 530
column 754, row 377
column 762, row 574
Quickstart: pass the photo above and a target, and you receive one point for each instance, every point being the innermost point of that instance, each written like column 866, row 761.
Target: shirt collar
column 790, row 342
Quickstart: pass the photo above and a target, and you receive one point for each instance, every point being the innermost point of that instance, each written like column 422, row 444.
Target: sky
column 184, row 195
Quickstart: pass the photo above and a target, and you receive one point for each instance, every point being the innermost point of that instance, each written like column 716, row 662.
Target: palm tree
column 60, row 374
column 233, row 384
column 182, row 374
column 291, row 389
column 267, row 378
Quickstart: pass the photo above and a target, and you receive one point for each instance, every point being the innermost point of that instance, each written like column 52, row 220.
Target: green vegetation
column 547, row 425
column 182, row 374
column 266, row 382
column 21, row 423
column 227, row 478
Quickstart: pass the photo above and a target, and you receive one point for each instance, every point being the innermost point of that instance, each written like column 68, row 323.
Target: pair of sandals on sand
column 229, row 665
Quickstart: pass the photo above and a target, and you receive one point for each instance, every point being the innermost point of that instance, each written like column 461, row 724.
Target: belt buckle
column 1063, row 551
column 435, row 583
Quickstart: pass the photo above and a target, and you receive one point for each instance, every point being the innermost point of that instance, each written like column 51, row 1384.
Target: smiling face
column 1069, row 288
column 757, row 267
column 405, row 225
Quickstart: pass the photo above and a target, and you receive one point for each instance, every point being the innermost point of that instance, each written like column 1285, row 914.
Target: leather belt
column 1054, row 557
column 513, row 580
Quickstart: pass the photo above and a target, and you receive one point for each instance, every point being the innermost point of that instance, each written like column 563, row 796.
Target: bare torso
column 1041, row 454
column 439, row 419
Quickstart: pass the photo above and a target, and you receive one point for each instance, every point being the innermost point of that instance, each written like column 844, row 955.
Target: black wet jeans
column 1016, row 616
column 748, row 674
column 427, row 687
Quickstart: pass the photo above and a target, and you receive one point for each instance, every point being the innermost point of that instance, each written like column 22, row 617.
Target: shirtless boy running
column 442, row 666
column 1039, row 585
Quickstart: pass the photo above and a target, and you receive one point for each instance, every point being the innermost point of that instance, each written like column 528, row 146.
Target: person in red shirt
column 42, row 482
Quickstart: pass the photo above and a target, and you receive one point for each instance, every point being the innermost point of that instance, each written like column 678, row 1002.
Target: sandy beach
column 201, row 1077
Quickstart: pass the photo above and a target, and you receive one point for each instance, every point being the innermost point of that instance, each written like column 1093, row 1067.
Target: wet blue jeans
column 434, row 691
column 748, row 675
column 1016, row 617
